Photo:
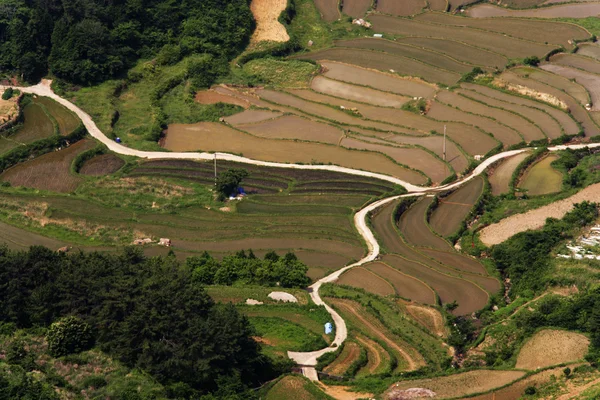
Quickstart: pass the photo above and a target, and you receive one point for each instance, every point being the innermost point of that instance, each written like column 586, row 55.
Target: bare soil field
column 36, row 126
column 469, row 297
column 452, row 210
column 459, row 51
column 415, row 53
column 268, row 28
column 377, row 358
column 349, row 354
column 524, row 128
column 329, row 9
column 535, row 219
column 502, row 175
column 576, row 61
column 541, row 178
column 469, row 268
column 406, row 286
column 104, row 164
column 213, row 97
column 590, row 81
column 429, row 317
column 591, row 50
column 560, row 11
column 401, row 8
column 295, row 128
column 551, row 347
column 573, row 89
column 409, row 359
column 437, row 5
column 252, row 117
column 66, row 120
column 544, row 123
column 462, row 384
column 455, row 4
column 415, row 229
column 50, row 171
column 385, row 62
column 344, row 90
column 218, row 137
column 444, row 112
column 364, row 279
column 378, row 80
column 496, row 42
column 567, row 122
column 416, row 158
column 575, row 107
column 356, row 8
column 535, row 31
column 8, row 109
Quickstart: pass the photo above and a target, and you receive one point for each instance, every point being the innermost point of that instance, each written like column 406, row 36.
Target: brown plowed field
column 565, row 120
column 454, row 4
column 444, row 112
column 401, row 8
column 536, row 31
column 66, row 120
column 573, row 89
column 322, row 259
column 502, row 175
column 591, row 82
column 218, row 137
column 459, row 51
column 469, row 297
column 268, row 28
column 576, row 61
column 103, row 164
column 213, row 97
column 356, row 8
column 462, row 384
column 356, row 93
column 385, row 62
column 329, row 9
column 458, row 262
column 543, row 121
column 408, row 358
column 589, row 50
column 51, row 171
column 414, row 157
column 496, row 42
column 349, row 355
column 517, row 389
column 560, row 11
column 426, row 56
column 251, row 117
column 378, row 80
column 295, row 128
column 437, row 5
column 429, row 317
column 453, row 209
column 524, row 128
column 406, row 286
column 367, row 280
column 416, row 230
column 551, row 347
column 378, row 358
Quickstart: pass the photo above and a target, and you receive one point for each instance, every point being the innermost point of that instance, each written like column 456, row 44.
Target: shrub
column 8, row 93
column 69, row 335
column 533, row 61
column 229, row 181
column 95, row 381
column 531, row 390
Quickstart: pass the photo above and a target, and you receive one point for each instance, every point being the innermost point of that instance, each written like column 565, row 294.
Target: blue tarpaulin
column 328, row 328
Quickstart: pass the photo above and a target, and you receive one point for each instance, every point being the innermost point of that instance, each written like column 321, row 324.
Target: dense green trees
column 229, row 181
column 148, row 312
column 87, row 41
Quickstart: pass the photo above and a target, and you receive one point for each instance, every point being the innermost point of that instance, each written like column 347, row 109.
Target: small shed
column 328, row 328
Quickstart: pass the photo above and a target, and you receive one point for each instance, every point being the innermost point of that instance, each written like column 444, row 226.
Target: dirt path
column 412, row 364
column 535, row 219
column 577, row 390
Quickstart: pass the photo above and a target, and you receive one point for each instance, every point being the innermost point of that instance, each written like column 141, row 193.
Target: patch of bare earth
column 212, row 97
column 535, row 219
column 8, row 109
column 552, row 347
column 268, row 27
column 343, row 393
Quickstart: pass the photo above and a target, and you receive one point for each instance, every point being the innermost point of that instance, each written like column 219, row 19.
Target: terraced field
column 329, row 9
column 501, row 176
column 356, row 8
column 542, row 178
column 560, row 11
column 401, row 8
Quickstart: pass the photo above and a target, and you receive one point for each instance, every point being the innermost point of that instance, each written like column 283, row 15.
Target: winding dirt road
column 307, row 360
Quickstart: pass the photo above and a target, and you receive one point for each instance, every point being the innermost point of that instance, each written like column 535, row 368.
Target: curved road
column 307, row 360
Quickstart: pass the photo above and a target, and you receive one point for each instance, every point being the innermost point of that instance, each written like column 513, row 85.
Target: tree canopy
column 87, row 41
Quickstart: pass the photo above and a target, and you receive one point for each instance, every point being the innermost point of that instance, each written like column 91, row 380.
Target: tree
column 8, row 93
column 229, row 181
column 533, row 61
column 69, row 335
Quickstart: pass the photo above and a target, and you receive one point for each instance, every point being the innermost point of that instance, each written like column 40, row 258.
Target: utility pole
column 215, row 169
column 444, row 151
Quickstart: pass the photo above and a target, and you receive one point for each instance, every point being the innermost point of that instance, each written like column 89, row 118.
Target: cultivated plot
column 501, row 176
column 344, row 90
column 560, row 11
column 551, row 347
column 401, row 8
column 541, row 178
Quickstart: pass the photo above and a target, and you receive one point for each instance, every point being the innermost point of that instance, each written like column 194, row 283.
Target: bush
column 69, row 335
column 95, row 381
column 533, row 61
column 229, row 181
column 531, row 390
column 8, row 93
